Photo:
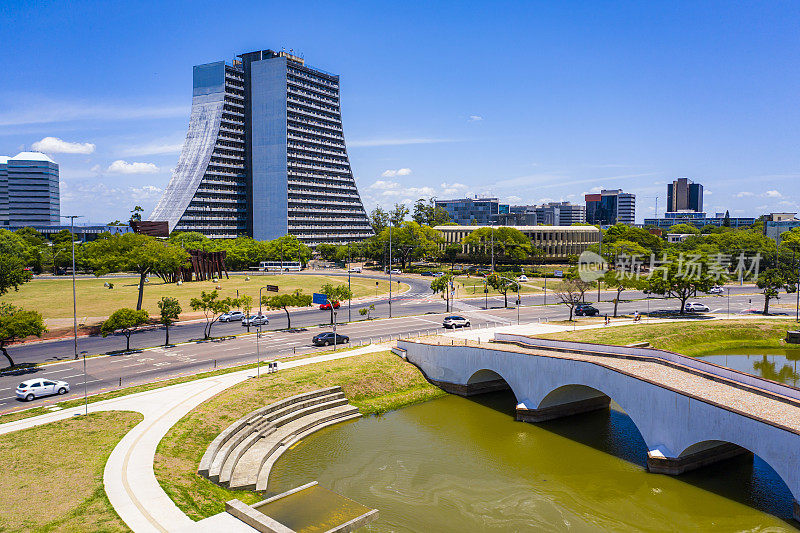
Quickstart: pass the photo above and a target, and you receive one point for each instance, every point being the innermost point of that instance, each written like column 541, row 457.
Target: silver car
column 232, row 316
column 255, row 320
column 36, row 388
column 696, row 307
column 455, row 322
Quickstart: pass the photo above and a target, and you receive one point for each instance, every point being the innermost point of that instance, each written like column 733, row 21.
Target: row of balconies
column 305, row 146
column 321, row 185
column 346, row 180
column 308, row 102
column 306, row 209
column 322, row 89
column 318, row 80
column 325, row 200
column 306, row 110
column 327, row 168
column 313, row 139
column 311, row 157
column 295, row 87
column 327, row 192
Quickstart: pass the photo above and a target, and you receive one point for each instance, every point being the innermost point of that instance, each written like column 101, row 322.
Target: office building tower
column 265, row 155
column 684, row 195
column 611, row 207
column 483, row 211
column 560, row 214
column 29, row 191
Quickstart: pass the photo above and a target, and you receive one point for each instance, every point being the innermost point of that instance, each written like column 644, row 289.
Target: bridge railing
column 696, row 364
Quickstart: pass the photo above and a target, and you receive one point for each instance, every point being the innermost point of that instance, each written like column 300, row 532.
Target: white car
column 395, row 271
column 355, row 269
column 696, row 307
column 36, row 388
column 255, row 320
column 522, row 278
column 233, row 316
column 438, row 274
column 453, row 322
column 716, row 290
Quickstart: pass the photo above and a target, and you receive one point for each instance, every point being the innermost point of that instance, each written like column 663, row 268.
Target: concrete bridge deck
column 689, row 413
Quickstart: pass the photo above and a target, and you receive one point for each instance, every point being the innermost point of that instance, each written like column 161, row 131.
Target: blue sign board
column 319, row 298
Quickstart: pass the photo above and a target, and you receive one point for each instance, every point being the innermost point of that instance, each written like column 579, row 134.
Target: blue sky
column 528, row 101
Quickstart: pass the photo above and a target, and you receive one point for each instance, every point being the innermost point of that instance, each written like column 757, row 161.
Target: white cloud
column 394, row 142
column 744, row 194
column 123, row 167
column 772, row 194
column 453, row 188
column 513, row 199
column 398, row 172
column 54, row 145
column 145, row 192
column 475, row 118
column 154, row 148
column 595, row 190
column 384, row 185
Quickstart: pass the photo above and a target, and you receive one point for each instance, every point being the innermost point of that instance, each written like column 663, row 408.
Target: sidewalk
column 129, row 480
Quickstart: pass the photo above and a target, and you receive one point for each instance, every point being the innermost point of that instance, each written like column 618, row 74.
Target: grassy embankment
column 53, row 474
column 53, row 298
column 375, row 383
column 689, row 338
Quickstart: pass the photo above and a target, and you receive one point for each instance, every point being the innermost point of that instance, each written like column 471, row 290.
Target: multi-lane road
column 417, row 310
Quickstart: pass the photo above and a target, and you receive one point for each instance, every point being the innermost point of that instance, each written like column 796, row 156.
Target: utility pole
column 492, row 231
column 601, row 256
column 350, row 299
column 74, row 298
column 390, row 271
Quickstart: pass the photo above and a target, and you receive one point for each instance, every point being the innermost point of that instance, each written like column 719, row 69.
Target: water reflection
column 459, row 464
column 778, row 364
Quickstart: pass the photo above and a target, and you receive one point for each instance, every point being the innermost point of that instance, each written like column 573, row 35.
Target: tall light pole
column 74, row 298
column 259, row 300
column 258, row 352
column 390, row 271
column 492, row 232
column 350, row 298
column 601, row 255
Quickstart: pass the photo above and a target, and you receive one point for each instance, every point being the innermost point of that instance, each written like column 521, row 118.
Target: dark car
column 326, row 339
column 586, row 310
column 427, row 273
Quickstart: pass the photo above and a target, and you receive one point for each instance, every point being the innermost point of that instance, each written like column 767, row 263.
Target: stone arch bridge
column 690, row 413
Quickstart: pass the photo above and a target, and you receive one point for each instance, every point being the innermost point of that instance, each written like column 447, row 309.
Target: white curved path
column 129, row 480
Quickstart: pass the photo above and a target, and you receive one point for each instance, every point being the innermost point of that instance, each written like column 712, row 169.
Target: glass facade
column 611, row 207
column 29, row 191
column 265, row 155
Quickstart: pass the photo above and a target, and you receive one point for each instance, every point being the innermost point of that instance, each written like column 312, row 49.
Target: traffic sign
column 272, row 288
column 559, row 273
column 319, row 298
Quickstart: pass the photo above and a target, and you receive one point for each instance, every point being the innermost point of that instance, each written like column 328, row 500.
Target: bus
column 277, row 266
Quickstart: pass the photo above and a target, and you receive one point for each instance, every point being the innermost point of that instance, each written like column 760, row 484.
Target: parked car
column 355, row 269
column 522, row 278
column 696, row 307
column 327, row 306
column 233, row 316
column 36, row 388
column 716, row 290
column 438, row 274
column 255, row 320
column 427, row 273
column 327, row 339
column 586, row 310
column 395, row 271
column 455, row 322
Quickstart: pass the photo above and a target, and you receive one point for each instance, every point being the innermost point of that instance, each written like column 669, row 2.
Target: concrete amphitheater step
column 217, row 452
column 269, row 461
column 285, row 425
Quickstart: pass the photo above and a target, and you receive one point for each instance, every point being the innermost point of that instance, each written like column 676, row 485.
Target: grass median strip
column 689, row 338
column 375, row 383
column 53, row 474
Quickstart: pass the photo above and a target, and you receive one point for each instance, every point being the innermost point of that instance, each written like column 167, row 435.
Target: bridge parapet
column 687, row 417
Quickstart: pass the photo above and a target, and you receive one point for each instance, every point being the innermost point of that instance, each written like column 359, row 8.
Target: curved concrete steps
column 243, row 454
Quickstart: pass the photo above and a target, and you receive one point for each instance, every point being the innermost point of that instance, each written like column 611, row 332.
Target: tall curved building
column 265, row 155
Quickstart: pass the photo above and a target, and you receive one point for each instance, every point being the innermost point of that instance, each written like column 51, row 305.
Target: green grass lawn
column 53, row 298
column 702, row 337
column 374, row 383
column 53, row 474
column 473, row 286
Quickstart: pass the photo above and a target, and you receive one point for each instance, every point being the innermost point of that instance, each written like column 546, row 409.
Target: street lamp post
column 492, row 232
column 258, row 352
column 350, row 298
column 729, row 301
column 85, row 394
column 74, row 298
column 390, row 271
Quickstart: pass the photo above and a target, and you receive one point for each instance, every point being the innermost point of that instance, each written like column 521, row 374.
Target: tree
column 366, row 310
column 17, row 323
column 12, row 273
column 326, row 251
column 335, row 293
column 426, row 213
column 570, row 294
column 133, row 252
column 411, row 241
column 124, row 320
column 683, row 229
column 502, row 285
column 450, row 253
column 442, row 284
column 682, row 277
column 509, row 244
column 136, row 213
column 246, row 303
column 285, row 301
column 212, row 306
column 622, row 280
column 771, row 281
column 726, row 222
column 398, row 215
column 169, row 309
column 379, row 219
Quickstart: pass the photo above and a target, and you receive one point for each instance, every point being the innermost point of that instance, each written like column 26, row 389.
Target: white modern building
column 29, row 191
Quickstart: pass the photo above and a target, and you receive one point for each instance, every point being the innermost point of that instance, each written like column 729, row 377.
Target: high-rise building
column 265, row 155
column 611, row 207
column 482, row 211
column 560, row 214
column 29, row 191
column 684, row 195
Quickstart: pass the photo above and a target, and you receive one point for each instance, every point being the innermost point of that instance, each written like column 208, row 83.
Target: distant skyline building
column 697, row 220
column 483, row 211
column 29, row 191
column 684, row 195
column 265, row 155
column 610, row 207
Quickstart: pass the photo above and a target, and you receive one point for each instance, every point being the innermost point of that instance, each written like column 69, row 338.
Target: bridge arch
column 488, row 380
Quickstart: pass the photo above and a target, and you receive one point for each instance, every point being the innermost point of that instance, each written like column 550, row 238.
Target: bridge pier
column 705, row 455
column 552, row 412
column 796, row 511
column 472, row 389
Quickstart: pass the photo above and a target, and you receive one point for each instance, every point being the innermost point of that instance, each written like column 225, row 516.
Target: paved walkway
column 129, row 480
